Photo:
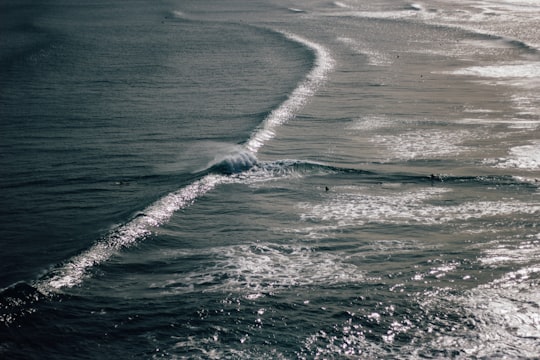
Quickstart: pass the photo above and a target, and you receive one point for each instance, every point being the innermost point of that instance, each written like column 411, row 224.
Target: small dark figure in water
column 326, row 188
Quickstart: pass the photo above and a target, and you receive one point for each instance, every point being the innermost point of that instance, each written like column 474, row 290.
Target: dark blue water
column 269, row 180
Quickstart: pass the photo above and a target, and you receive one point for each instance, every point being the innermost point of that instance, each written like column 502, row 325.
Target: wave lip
column 515, row 70
column 306, row 89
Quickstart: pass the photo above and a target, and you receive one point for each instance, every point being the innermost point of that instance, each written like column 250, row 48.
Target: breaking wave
column 234, row 160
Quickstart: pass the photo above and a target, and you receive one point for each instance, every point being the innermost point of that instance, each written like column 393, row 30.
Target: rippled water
column 270, row 180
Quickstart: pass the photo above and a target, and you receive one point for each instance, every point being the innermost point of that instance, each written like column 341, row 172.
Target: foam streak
column 305, row 90
column 74, row 271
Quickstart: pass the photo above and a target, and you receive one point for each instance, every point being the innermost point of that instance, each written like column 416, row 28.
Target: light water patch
column 361, row 207
column 416, row 6
column 526, row 70
column 504, row 317
column 215, row 348
column 399, row 14
column 376, row 11
column 527, row 104
column 479, row 111
column 179, row 14
column 375, row 58
column 305, row 90
column 526, row 157
column 296, row 10
column 315, row 232
column 510, row 251
column 372, row 122
column 510, row 123
column 425, row 144
column 254, row 270
column 342, row 5
column 74, row 271
column 512, row 6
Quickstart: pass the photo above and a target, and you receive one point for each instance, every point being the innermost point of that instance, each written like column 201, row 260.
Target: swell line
column 75, row 270
column 298, row 98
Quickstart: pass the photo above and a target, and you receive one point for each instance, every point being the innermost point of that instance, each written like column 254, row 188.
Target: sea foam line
column 74, row 271
column 298, row 98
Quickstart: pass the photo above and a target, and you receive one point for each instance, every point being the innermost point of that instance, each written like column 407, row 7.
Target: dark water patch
column 119, row 99
column 23, row 40
column 17, row 302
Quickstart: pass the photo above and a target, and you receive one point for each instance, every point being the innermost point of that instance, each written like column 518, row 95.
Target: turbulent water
column 270, row 179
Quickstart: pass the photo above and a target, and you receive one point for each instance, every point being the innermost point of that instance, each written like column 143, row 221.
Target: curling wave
column 233, row 162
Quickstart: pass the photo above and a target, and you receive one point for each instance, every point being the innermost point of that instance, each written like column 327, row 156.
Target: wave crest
column 236, row 161
column 305, row 90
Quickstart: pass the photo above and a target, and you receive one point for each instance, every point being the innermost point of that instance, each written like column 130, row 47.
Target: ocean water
column 270, row 179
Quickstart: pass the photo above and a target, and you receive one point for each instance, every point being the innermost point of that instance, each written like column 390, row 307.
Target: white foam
column 478, row 111
column 349, row 209
column 529, row 70
column 305, row 90
column 528, row 104
column 74, row 271
column 342, row 5
column 511, row 5
column 505, row 317
column 372, row 122
column 426, row 143
column 295, row 10
column 179, row 14
column 252, row 270
column 417, row 7
column 526, row 157
column 511, row 123
column 234, row 160
column 497, row 320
